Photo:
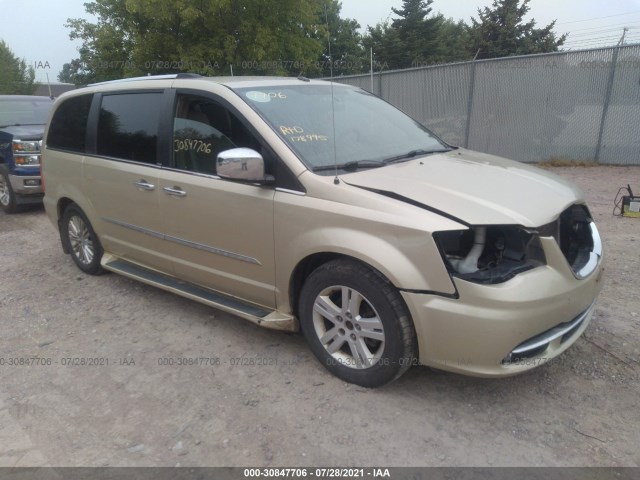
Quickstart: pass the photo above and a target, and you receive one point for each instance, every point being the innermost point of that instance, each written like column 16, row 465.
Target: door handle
column 142, row 184
column 175, row 191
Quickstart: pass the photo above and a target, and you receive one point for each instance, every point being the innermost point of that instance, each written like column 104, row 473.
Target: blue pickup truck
column 22, row 121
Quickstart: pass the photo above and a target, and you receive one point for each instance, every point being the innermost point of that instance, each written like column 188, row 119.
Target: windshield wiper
column 350, row 166
column 355, row 165
column 413, row 154
column 20, row 125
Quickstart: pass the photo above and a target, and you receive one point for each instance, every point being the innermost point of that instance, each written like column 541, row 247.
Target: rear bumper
column 505, row 329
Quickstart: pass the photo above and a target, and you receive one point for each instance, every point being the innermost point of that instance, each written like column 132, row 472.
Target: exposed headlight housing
column 579, row 239
column 490, row 254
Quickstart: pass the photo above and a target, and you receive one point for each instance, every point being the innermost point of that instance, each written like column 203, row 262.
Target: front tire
column 357, row 324
column 81, row 240
column 7, row 195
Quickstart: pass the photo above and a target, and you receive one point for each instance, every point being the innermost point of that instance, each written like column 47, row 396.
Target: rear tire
column 357, row 324
column 81, row 240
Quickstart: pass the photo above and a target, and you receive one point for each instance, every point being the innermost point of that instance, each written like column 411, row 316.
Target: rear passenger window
column 68, row 128
column 128, row 126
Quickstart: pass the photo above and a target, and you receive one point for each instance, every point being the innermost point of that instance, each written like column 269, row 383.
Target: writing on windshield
column 347, row 125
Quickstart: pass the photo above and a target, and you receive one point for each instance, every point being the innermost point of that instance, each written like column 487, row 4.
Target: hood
column 477, row 188
column 24, row 132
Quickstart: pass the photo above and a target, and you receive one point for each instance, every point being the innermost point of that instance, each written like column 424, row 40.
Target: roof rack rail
column 149, row 77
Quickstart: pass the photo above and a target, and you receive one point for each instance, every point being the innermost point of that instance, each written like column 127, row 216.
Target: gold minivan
column 301, row 204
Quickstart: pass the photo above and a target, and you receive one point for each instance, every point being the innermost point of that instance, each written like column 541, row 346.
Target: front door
column 221, row 232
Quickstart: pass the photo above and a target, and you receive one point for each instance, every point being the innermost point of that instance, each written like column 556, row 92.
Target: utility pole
column 624, row 33
column 371, row 51
column 609, row 90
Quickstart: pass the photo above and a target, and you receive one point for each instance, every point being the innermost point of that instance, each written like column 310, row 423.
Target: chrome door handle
column 175, row 191
column 142, row 184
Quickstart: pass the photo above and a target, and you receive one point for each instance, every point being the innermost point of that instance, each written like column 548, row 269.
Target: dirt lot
column 269, row 402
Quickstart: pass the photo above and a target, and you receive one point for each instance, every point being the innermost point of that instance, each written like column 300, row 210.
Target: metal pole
column 371, row 69
column 624, row 32
column 49, row 85
column 472, row 87
column 607, row 100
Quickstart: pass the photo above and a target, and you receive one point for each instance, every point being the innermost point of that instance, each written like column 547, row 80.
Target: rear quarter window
column 68, row 129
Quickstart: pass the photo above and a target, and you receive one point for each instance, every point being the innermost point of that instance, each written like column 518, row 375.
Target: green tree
column 15, row 77
column 417, row 37
column 106, row 45
column 347, row 50
column 274, row 36
column 455, row 38
column 418, row 33
column 71, row 73
column 386, row 45
column 501, row 31
column 139, row 37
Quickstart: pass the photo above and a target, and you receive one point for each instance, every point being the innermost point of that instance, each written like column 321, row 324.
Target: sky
column 37, row 33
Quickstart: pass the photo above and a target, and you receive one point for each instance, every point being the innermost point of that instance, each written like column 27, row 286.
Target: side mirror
column 242, row 164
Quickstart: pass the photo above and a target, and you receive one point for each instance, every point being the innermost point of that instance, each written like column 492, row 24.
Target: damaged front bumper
column 480, row 332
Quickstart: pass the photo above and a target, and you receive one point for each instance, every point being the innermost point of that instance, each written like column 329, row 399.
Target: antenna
column 336, row 180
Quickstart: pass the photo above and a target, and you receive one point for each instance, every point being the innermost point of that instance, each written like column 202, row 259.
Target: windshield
column 24, row 111
column 369, row 132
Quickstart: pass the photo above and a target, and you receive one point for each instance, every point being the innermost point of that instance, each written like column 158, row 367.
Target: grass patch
column 566, row 162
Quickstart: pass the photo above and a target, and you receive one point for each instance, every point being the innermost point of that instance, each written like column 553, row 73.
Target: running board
column 260, row 316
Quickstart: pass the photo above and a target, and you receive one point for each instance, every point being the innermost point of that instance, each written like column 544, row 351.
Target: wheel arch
column 74, row 196
column 307, row 265
column 62, row 205
column 87, row 251
column 395, row 340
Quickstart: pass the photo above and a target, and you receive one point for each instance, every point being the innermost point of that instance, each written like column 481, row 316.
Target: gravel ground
column 269, row 402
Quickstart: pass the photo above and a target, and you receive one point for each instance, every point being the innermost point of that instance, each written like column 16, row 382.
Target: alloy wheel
column 348, row 327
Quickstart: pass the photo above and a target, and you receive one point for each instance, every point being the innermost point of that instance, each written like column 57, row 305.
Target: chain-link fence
column 582, row 105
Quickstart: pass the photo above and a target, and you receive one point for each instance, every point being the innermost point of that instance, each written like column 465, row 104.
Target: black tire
column 81, row 241
column 7, row 195
column 371, row 341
